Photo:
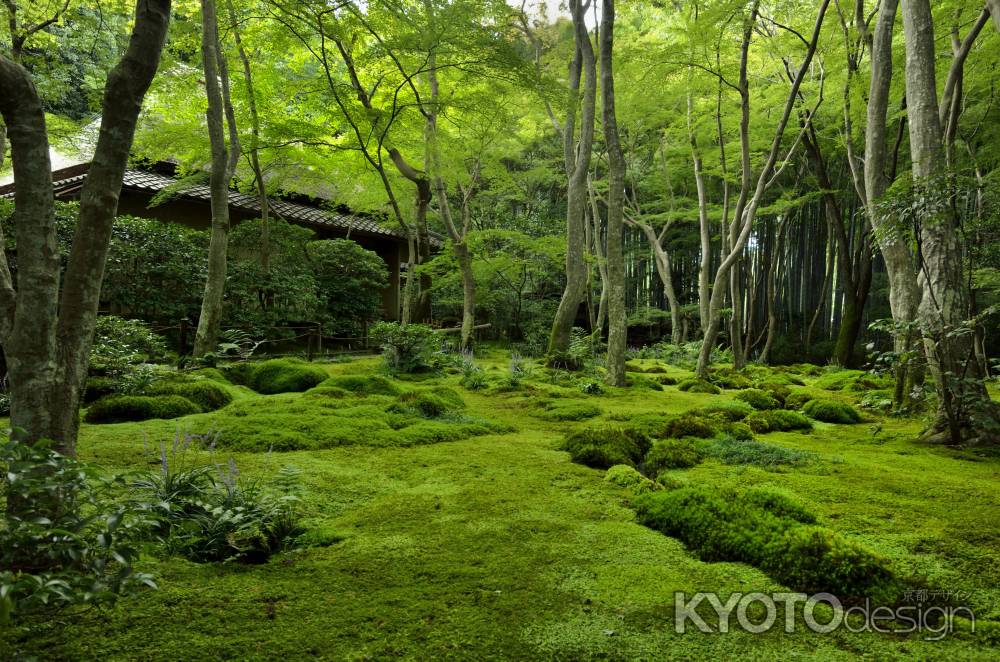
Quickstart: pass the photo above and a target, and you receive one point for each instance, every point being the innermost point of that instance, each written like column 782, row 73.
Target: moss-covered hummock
column 758, row 399
column 698, row 386
column 126, row 408
column 831, row 411
column 604, row 446
column 777, row 420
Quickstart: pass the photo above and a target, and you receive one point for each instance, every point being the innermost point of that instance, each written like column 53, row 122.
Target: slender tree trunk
column 577, row 157
column 47, row 335
column 772, row 291
column 207, row 335
column 704, row 229
column 617, row 329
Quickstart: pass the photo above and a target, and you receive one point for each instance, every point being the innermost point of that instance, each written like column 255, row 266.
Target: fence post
column 182, row 339
column 309, row 343
column 319, row 337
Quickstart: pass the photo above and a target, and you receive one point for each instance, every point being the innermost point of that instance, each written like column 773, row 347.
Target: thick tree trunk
column 47, row 336
column 963, row 399
column 223, row 161
column 577, row 158
column 617, row 329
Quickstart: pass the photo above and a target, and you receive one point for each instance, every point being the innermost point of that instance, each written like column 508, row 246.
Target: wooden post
column 310, row 340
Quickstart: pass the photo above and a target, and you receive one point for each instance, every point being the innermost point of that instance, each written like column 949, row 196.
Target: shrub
column 363, row 384
column 569, row 411
column 732, row 450
column 79, row 551
column 724, row 410
column 698, row 386
column 671, row 454
column 591, row 387
column 721, row 526
column 625, row 476
column 473, row 377
column 605, row 446
column 689, row 425
column 831, row 411
column 206, row 394
column 777, row 420
column 406, row 349
column 758, row 399
column 125, row 408
column 284, row 376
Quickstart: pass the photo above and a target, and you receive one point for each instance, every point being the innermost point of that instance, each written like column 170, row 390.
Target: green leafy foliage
column 627, row 477
column 406, row 349
column 73, row 545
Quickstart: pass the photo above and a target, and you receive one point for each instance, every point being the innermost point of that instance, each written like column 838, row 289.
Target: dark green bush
column 605, row 446
column 406, row 349
column 689, row 425
column 831, row 411
column 206, row 394
column 285, row 376
column 670, row 481
column 777, row 420
column 671, row 454
column 124, row 408
column 758, row 399
column 363, row 384
column 665, row 380
column 722, row 526
column 698, row 386
column 735, row 450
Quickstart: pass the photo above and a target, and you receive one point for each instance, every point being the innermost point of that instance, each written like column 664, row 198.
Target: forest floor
column 499, row 547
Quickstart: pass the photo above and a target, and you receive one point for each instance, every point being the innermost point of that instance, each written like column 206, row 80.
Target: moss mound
column 831, row 411
column 207, row 394
column 735, row 451
column 428, row 403
column 724, row 410
column 603, row 447
column 698, row 386
column 671, row 454
column 777, row 420
column 625, row 476
column 689, row 425
column 852, row 380
column 363, row 384
column 130, row 408
column 758, row 399
column 99, row 387
column 285, row 376
column 766, row 531
column 568, row 411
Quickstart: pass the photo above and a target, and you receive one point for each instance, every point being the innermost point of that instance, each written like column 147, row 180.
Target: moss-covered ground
column 496, row 546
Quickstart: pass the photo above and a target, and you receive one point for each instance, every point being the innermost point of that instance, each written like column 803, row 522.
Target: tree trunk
column 577, row 158
column 206, row 338
column 963, row 400
column 617, row 328
column 47, row 336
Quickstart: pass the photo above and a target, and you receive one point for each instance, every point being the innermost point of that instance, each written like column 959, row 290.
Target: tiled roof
column 71, row 179
column 290, row 211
